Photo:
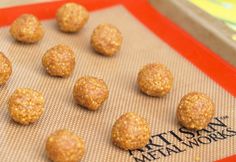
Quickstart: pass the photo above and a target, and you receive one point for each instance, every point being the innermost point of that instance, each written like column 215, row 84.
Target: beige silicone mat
column 26, row 143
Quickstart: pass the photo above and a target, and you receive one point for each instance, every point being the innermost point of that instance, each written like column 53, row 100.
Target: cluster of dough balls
column 5, row 69
column 106, row 39
column 59, row 61
column 26, row 105
column 71, row 17
column 27, row 29
column 130, row 131
column 65, row 146
column 90, row 92
column 195, row 109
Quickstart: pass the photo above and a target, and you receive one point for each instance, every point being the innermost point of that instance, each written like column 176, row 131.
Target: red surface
column 228, row 159
column 211, row 64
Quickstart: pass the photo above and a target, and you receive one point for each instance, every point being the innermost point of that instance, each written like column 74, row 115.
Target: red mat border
column 206, row 60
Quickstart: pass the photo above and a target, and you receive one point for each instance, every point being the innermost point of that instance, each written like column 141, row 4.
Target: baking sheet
column 140, row 46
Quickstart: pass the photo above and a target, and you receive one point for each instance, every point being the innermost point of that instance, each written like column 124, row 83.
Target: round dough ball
column 59, row 61
column 27, row 28
column 5, row 69
column 195, row 111
column 26, row 106
column 106, row 39
column 65, row 146
column 90, row 92
column 71, row 17
column 130, row 131
column 155, row 80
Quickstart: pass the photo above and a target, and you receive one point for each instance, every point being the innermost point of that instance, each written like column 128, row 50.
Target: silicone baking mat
column 140, row 46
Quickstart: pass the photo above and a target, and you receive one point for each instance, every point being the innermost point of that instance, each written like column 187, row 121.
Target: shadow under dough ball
column 155, row 80
column 27, row 28
column 90, row 92
column 5, row 69
column 71, row 17
column 130, row 131
column 195, row 110
column 59, row 61
column 65, row 146
column 26, row 105
column 106, row 39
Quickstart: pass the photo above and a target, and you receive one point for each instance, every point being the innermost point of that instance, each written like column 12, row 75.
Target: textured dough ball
column 26, row 106
column 59, row 61
column 195, row 110
column 130, row 132
column 71, row 17
column 155, row 80
column 65, row 146
column 27, row 29
column 90, row 92
column 106, row 39
column 5, row 69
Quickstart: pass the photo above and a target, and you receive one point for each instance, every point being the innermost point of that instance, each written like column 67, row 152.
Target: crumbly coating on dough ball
column 71, row 17
column 65, row 146
column 26, row 105
column 27, row 28
column 90, row 92
column 130, row 131
column 106, row 39
column 155, row 80
column 59, row 61
column 5, row 69
column 195, row 110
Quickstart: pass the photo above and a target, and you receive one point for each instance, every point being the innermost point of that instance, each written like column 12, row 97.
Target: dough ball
column 71, row 17
column 90, row 92
column 27, row 29
column 59, row 61
column 65, row 146
column 195, row 110
column 106, row 39
column 26, row 106
column 5, row 69
column 130, row 131
column 155, row 80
